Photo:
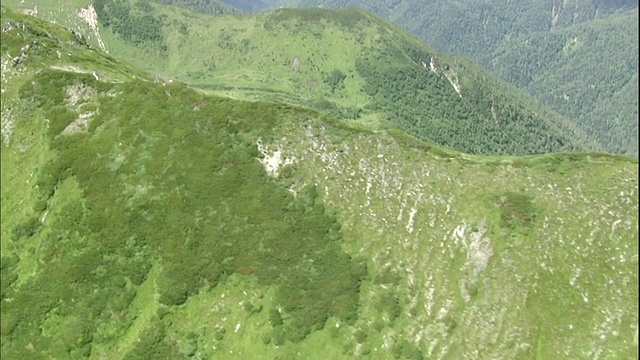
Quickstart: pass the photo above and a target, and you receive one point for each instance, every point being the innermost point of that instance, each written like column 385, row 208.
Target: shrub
column 517, row 210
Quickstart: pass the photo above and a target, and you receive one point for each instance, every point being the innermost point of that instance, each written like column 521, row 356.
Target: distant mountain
column 348, row 63
column 531, row 39
column 475, row 28
column 143, row 219
column 204, row 6
column 247, row 5
column 588, row 72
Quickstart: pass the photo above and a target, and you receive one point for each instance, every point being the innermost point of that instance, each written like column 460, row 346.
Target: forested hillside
column 579, row 57
column 588, row 72
column 143, row 219
column 349, row 63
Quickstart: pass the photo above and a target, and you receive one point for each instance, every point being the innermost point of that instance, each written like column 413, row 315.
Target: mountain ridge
column 380, row 76
column 510, row 41
column 144, row 219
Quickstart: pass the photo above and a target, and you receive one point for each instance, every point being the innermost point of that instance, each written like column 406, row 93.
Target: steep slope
column 142, row 219
column 348, row 63
column 561, row 45
column 588, row 72
column 111, row 215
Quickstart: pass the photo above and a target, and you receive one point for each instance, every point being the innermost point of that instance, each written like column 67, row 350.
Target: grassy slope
column 467, row 256
column 469, row 285
column 251, row 57
column 83, row 257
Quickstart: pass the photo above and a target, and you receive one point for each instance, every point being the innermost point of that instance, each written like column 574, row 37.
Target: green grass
column 455, row 193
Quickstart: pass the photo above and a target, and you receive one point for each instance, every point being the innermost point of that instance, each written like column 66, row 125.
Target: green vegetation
column 500, row 127
column 220, row 211
column 144, row 219
column 517, row 210
column 387, row 74
column 208, row 229
column 352, row 65
column 136, row 27
column 201, row 6
column 335, row 80
column 579, row 58
column 247, row 5
column 432, row 21
column 588, row 72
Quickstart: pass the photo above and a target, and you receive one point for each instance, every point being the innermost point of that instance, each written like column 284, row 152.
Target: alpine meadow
column 295, row 184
